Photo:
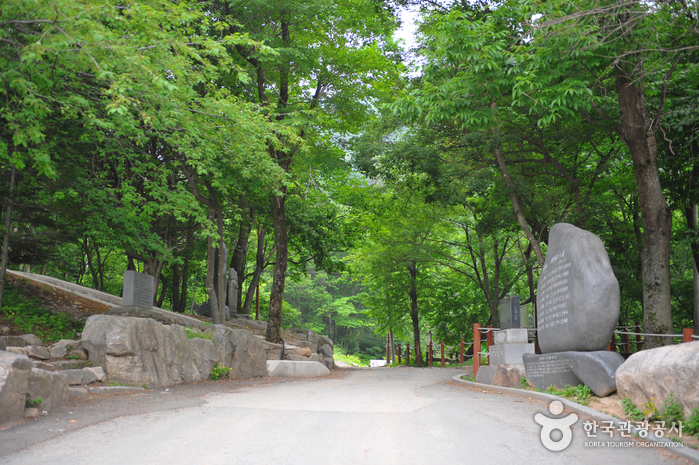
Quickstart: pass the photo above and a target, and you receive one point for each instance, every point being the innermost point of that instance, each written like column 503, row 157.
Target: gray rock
column 250, row 360
column 31, row 412
column 5, row 330
column 98, row 372
column 322, row 340
column 205, row 310
column 310, row 345
column 68, row 344
column 315, row 358
column 80, row 353
column 329, row 362
column 205, row 356
column 32, row 340
column 57, row 351
column 578, row 294
column 594, row 369
column 326, row 350
column 79, row 377
column 16, row 350
column 486, row 374
column 133, row 351
column 184, row 355
column 114, row 389
column 75, row 391
column 224, row 342
column 165, row 318
column 13, row 341
column 14, row 379
column 655, row 373
column 67, row 364
column 3, row 346
column 38, row 353
column 50, row 386
column 43, row 365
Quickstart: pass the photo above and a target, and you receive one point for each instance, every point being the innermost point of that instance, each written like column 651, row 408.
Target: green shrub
column 631, row 411
column 581, row 394
column 691, row 426
column 672, row 411
column 192, row 333
column 219, row 372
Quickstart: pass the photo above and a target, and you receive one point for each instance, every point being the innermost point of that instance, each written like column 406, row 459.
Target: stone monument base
column 594, row 369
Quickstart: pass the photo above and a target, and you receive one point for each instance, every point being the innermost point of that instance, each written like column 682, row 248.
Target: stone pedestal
column 594, row 369
column 506, row 367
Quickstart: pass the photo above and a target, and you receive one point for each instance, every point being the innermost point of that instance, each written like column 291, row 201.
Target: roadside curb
column 684, row 452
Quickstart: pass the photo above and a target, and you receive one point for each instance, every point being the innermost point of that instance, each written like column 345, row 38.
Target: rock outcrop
column 655, row 373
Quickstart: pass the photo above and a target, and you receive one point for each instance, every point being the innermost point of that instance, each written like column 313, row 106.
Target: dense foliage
column 365, row 190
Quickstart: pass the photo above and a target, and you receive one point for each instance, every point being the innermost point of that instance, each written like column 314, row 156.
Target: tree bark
column 274, row 320
column 259, row 266
column 414, row 311
column 656, row 216
column 6, row 234
column 515, row 204
column 239, row 257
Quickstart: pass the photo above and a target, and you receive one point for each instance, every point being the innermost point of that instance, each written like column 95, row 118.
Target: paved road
column 373, row 416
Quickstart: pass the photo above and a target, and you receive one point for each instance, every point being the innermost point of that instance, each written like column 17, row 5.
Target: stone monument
column 510, row 316
column 505, row 356
column 232, row 290
column 138, row 290
column 578, row 308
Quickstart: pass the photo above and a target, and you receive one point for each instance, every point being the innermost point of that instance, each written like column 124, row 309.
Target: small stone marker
column 509, row 313
column 138, row 290
column 578, row 294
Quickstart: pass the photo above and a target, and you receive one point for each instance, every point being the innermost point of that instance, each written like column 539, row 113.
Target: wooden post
column 461, row 355
column 442, row 342
column 613, row 343
column 407, row 354
column 625, row 347
column 430, row 351
column 489, row 339
column 476, row 348
column 639, row 342
column 418, row 359
column 399, row 360
column 687, row 334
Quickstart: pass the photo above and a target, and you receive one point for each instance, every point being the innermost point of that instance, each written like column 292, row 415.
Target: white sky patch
column 408, row 28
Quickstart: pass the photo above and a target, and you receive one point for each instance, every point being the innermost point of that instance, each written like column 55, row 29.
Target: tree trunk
column 274, row 321
column 238, row 260
column 515, row 204
column 6, row 234
column 695, row 261
column 414, row 311
column 210, row 291
column 259, row 264
column 655, row 213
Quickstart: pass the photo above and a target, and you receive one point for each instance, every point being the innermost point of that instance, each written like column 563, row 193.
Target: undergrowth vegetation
column 28, row 315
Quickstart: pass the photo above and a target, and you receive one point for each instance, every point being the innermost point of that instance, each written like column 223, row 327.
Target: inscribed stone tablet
column 509, row 313
column 578, row 294
column 138, row 290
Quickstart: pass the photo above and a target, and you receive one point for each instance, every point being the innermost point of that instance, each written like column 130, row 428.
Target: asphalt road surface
column 373, row 416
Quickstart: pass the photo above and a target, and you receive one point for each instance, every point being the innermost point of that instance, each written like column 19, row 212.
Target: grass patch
column 28, row 316
column 580, row 394
column 192, row 333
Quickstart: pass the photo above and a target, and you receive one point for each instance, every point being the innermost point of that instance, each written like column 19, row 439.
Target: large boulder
column 14, row 379
column 250, row 360
column 578, row 294
column 50, row 386
column 205, row 356
column 133, row 351
column 655, row 373
column 32, row 340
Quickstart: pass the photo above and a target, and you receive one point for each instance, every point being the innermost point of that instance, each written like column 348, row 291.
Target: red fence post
column 489, row 338
column 461, row 355
column 639, row 342
column 687, row 334
column 429, row 349
column 476, row 348
column 442, row 342
column 407, row 354
column 398, row 348
column 613, row 343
